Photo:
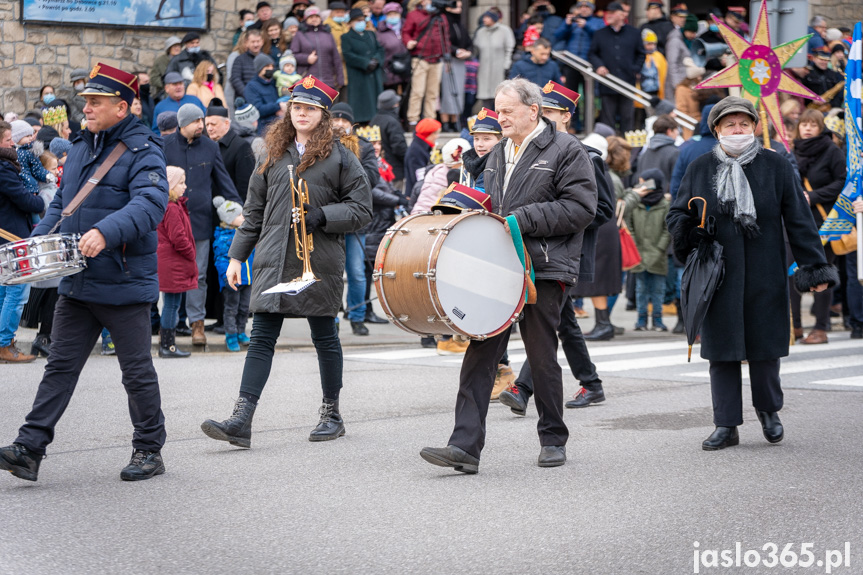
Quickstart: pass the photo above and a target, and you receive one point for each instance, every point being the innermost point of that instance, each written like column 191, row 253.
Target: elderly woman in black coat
column 753, row 197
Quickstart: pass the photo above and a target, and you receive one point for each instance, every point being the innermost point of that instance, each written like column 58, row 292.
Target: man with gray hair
column 818, row 29
column 543, row 182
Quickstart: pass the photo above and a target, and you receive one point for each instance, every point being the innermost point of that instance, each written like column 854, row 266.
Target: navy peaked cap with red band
column 559, row 97
column 108, row 81
column 313, row 92
column 458, row 198
column 486, row 121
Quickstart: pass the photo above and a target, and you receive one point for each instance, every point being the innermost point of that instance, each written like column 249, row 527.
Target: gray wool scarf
column 732, row 188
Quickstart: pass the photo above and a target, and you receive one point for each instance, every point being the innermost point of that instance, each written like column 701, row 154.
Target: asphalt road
column 635, row 495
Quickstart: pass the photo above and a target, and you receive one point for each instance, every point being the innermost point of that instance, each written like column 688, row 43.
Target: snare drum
column 450, row 274
column 40, row 258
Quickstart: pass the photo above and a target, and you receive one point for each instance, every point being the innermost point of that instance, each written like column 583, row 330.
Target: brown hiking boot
column 505, row 378
column 11, row 354
column 198, row 337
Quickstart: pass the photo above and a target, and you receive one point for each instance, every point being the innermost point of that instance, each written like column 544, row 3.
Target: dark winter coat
column 369, row 162
column 384, row 201
column 393, row 141
column 622, row 52
column 819, row 81
column 263, row 95
column 178, row 271
column 575, row 39
column 185, row 63
column 823, row 164
column 239, row 160
column 242, row 72
column 206, row 178
column 605, row 204
column 328, row 66
column 338, row 186
column 692, row 149
column 358, row 50
column 552, row 193
column 393, row 45
column 748, row 317
column 417, row 157
column 126, row 207
column 538, row 74
column 16, row 203
column 647, row 224
column 661, row 154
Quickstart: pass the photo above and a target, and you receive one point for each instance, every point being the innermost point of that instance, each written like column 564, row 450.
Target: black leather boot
column 603, row 330
column 237, row 429
column 331, row 425
column 20, row 461
column 372, row 317
column 167, row 345
column 771, row 426
column 678, row 328
column 721, row 438
column 41, row 345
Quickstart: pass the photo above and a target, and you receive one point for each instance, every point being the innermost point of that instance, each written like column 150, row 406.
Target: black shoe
column 331, row 425
column 857, row 332
column 603, row 330
column 237, row 429
column 451, row 456
column 585, row 397
column 552, row 456
column 214, row 326
column 515, row 398
column 183, row 330
column 154, row 329
column 679, row 327
column 143, row 465
column 428, row 342
column 721, row 438
column 20, row 461
column 41, row 345
column 167, row 346
column 372, row 317
column 771, row 426
column 359, row 328
column 630, row 306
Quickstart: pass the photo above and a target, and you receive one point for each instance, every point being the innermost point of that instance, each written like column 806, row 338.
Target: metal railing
column 611, row 81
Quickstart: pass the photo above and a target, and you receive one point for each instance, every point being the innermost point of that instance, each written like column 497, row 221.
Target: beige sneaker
column 451, row 347
column 504, row 378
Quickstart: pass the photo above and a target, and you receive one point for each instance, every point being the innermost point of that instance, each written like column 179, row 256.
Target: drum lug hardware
column 432, row 319
column 432, row 231
column 404, row 317
column 390, row 275
column 405, row 231
column 430, row 275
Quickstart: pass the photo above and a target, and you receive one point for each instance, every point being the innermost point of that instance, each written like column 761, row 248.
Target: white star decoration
column 760, row 72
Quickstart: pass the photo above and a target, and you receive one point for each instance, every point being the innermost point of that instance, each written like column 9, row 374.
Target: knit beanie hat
column 166, row 121
column 262, row 61
column 388, row 99
column 227, row 210
column 342, row 110
column 60, row 147
column 691, row 24
column 244, row 113
column 603, row 130
column 291, row 22
column 20, row 130
column 287, row 58
column 175, row 174
column 491, row 14
column 453, row 150
column 693, row 72
column 597, row 142
column 427, row 127
column 187, row 114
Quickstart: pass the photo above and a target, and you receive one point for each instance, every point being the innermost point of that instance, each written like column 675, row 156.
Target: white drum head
column 480, row 280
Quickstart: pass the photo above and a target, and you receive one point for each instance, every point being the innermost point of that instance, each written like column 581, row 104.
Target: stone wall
column 34, row 55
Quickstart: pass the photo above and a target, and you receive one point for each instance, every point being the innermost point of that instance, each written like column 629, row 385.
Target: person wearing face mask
column 46, row 96
column 247, row 18
column 263, row 94
column 78, row 79
column 389, row 31
column 339, row 22
column 188, row 59
column 751, row 194
column 298, row 10
column 316, row 51
column 204, row 84
column 173, row 46
column 364, row 57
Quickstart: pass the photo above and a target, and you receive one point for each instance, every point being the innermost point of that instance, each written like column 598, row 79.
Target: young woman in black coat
column 822, row 168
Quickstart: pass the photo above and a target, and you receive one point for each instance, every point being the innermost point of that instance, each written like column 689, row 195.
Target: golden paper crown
column 370, row 133
column 436, row 157
column 636, row 138
column 836, row 125
column 54, row 116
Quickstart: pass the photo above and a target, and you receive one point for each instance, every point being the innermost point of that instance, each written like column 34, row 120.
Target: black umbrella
column 702, row 274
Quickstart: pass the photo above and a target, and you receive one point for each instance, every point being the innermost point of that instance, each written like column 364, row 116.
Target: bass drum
column 450, row 274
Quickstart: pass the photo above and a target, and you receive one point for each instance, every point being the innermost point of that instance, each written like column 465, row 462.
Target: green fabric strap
column 515, row 232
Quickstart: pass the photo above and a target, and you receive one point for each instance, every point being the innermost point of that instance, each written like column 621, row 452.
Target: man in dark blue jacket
column 16, row 207
column 262, row 93
column 537, row 66
column 206, row 177
column 117, row 223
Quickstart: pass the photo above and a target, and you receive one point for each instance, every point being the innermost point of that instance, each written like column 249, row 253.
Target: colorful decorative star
column 758, row 71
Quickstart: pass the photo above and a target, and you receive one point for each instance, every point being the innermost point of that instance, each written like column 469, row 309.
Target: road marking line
column 854, row 381
column 802, row 366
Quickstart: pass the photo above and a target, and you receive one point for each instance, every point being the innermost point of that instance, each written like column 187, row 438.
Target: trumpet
column 304, row 241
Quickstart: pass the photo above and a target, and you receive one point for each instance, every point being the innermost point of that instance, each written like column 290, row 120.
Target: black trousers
column 614, row 105
column 478, row 370
column 77, row 326
column 575, row 349
column 726, row 387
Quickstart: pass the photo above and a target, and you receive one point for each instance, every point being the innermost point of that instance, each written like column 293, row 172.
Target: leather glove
column 315, row 218
column 372, row 65
column 403, row 201
column 697, row 235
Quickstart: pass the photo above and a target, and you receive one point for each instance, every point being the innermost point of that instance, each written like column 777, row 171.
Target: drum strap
column 101, row 172
column 524, row 257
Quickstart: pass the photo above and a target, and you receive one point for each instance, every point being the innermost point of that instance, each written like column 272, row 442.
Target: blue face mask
column 431, row 9
column 193, row 50
column 48, row 98
column 342, row 19
column 248, row 23
column 393, row 21
column 360, row 26
column 714, row 28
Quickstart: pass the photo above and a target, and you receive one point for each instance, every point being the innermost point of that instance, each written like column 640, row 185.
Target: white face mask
column 736, row 144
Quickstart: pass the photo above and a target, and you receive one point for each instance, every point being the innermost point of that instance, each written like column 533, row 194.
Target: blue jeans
column 12, row 300
column 649, row 287
column 853, row 290
column 170, row 310
column 355, row 266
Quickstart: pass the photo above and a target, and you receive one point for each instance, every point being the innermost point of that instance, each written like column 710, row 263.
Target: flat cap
column 731, row 105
